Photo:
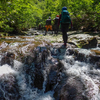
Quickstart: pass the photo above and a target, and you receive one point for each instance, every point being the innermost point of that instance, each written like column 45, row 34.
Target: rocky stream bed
column 38, row 67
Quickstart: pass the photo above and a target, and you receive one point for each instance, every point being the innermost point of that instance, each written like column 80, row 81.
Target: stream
column 20, row 62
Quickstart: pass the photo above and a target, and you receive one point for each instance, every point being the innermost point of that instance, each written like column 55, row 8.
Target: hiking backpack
column 56, row 20
column 65, row 18
column 48, row 22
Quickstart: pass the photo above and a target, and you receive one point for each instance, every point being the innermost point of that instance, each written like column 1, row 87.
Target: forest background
column 18, row 15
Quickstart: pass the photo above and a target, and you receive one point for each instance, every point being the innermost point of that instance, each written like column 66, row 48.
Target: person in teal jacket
column 65, row 21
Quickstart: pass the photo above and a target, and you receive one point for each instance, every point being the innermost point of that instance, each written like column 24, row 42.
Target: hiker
column 48, row 25
column 65, row 21
column 39, row 27
column 55, row 26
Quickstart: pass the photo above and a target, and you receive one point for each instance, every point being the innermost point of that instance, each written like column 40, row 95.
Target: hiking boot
column 45, row 33
column 65, row 44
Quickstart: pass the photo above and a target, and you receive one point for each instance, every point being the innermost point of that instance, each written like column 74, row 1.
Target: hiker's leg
column 51, row 28
column 54, row 29
column 64, row 35
column 67, row 28
column 46, row 30
column 57, row 30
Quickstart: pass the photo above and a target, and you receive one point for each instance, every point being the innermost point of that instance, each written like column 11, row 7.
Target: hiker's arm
column 59, row 20
column 71, row 25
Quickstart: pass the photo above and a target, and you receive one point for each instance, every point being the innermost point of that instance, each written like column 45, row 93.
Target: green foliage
column 23, row 14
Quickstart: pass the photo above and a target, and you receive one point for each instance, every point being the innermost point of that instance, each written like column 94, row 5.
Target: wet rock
column 9, row 88
column 72, row 90
column 91, row 58
column 77, row 55
column 40, row 58
column 34, row 65
column 8, row 59
column 44, row 56
column 32, row 31
column 94, row 58
column 29, row 60
column 52, row 80
column 39, row 79
column 54, row 76
column 83, row 40
column 97, row 52
column 92, row 43
column 98, row 45
column 98, row 64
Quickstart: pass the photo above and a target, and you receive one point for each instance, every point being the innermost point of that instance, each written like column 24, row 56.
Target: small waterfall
column 87, row 73
column 45, row 80
column 29, row 77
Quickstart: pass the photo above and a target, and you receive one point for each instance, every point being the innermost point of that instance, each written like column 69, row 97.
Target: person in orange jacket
column 48, row 25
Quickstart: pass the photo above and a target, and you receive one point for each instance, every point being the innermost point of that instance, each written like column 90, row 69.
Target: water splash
column 6, row 69
column 83, row 71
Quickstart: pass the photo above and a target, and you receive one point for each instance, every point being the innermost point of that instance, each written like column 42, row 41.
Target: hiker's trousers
column 64, row 29
column 48, row 27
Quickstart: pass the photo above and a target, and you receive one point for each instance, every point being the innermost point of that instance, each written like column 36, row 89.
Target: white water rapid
column 17, row 84
column 87, row 72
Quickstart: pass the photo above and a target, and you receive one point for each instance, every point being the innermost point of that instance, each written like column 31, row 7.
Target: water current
column 16, row 77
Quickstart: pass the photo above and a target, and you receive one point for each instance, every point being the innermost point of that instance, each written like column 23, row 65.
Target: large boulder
column 72, row 90
column 83, row 40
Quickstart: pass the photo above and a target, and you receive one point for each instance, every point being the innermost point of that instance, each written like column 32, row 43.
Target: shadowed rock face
column 8, row 59
column 51, row 66
column 92, row 43
column 72, row 90
column 39, row 79
column 54, row 75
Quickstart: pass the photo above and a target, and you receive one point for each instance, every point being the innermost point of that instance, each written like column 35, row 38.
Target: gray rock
column 83, row 40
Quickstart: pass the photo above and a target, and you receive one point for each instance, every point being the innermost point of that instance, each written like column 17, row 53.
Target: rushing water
column 88, row 73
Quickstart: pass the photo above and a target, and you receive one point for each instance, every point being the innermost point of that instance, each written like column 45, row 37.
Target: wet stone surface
column 69, row 72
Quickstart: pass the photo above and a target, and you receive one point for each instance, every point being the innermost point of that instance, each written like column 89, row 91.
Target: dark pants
column 55, row 28
column 64, row 29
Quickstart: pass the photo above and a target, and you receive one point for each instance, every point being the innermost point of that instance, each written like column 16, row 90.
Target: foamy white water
column 46, row 96
column 25, row 90
column 6, row 69
column 86, row 72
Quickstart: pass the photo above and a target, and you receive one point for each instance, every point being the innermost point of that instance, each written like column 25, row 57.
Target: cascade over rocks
column 42, row 61
column 92, row 58
column 45, row 68
column 64, row 86
column 54, row 75
column 52, row 67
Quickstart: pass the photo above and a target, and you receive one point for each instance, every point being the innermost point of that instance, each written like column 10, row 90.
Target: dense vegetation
column 17, row 15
